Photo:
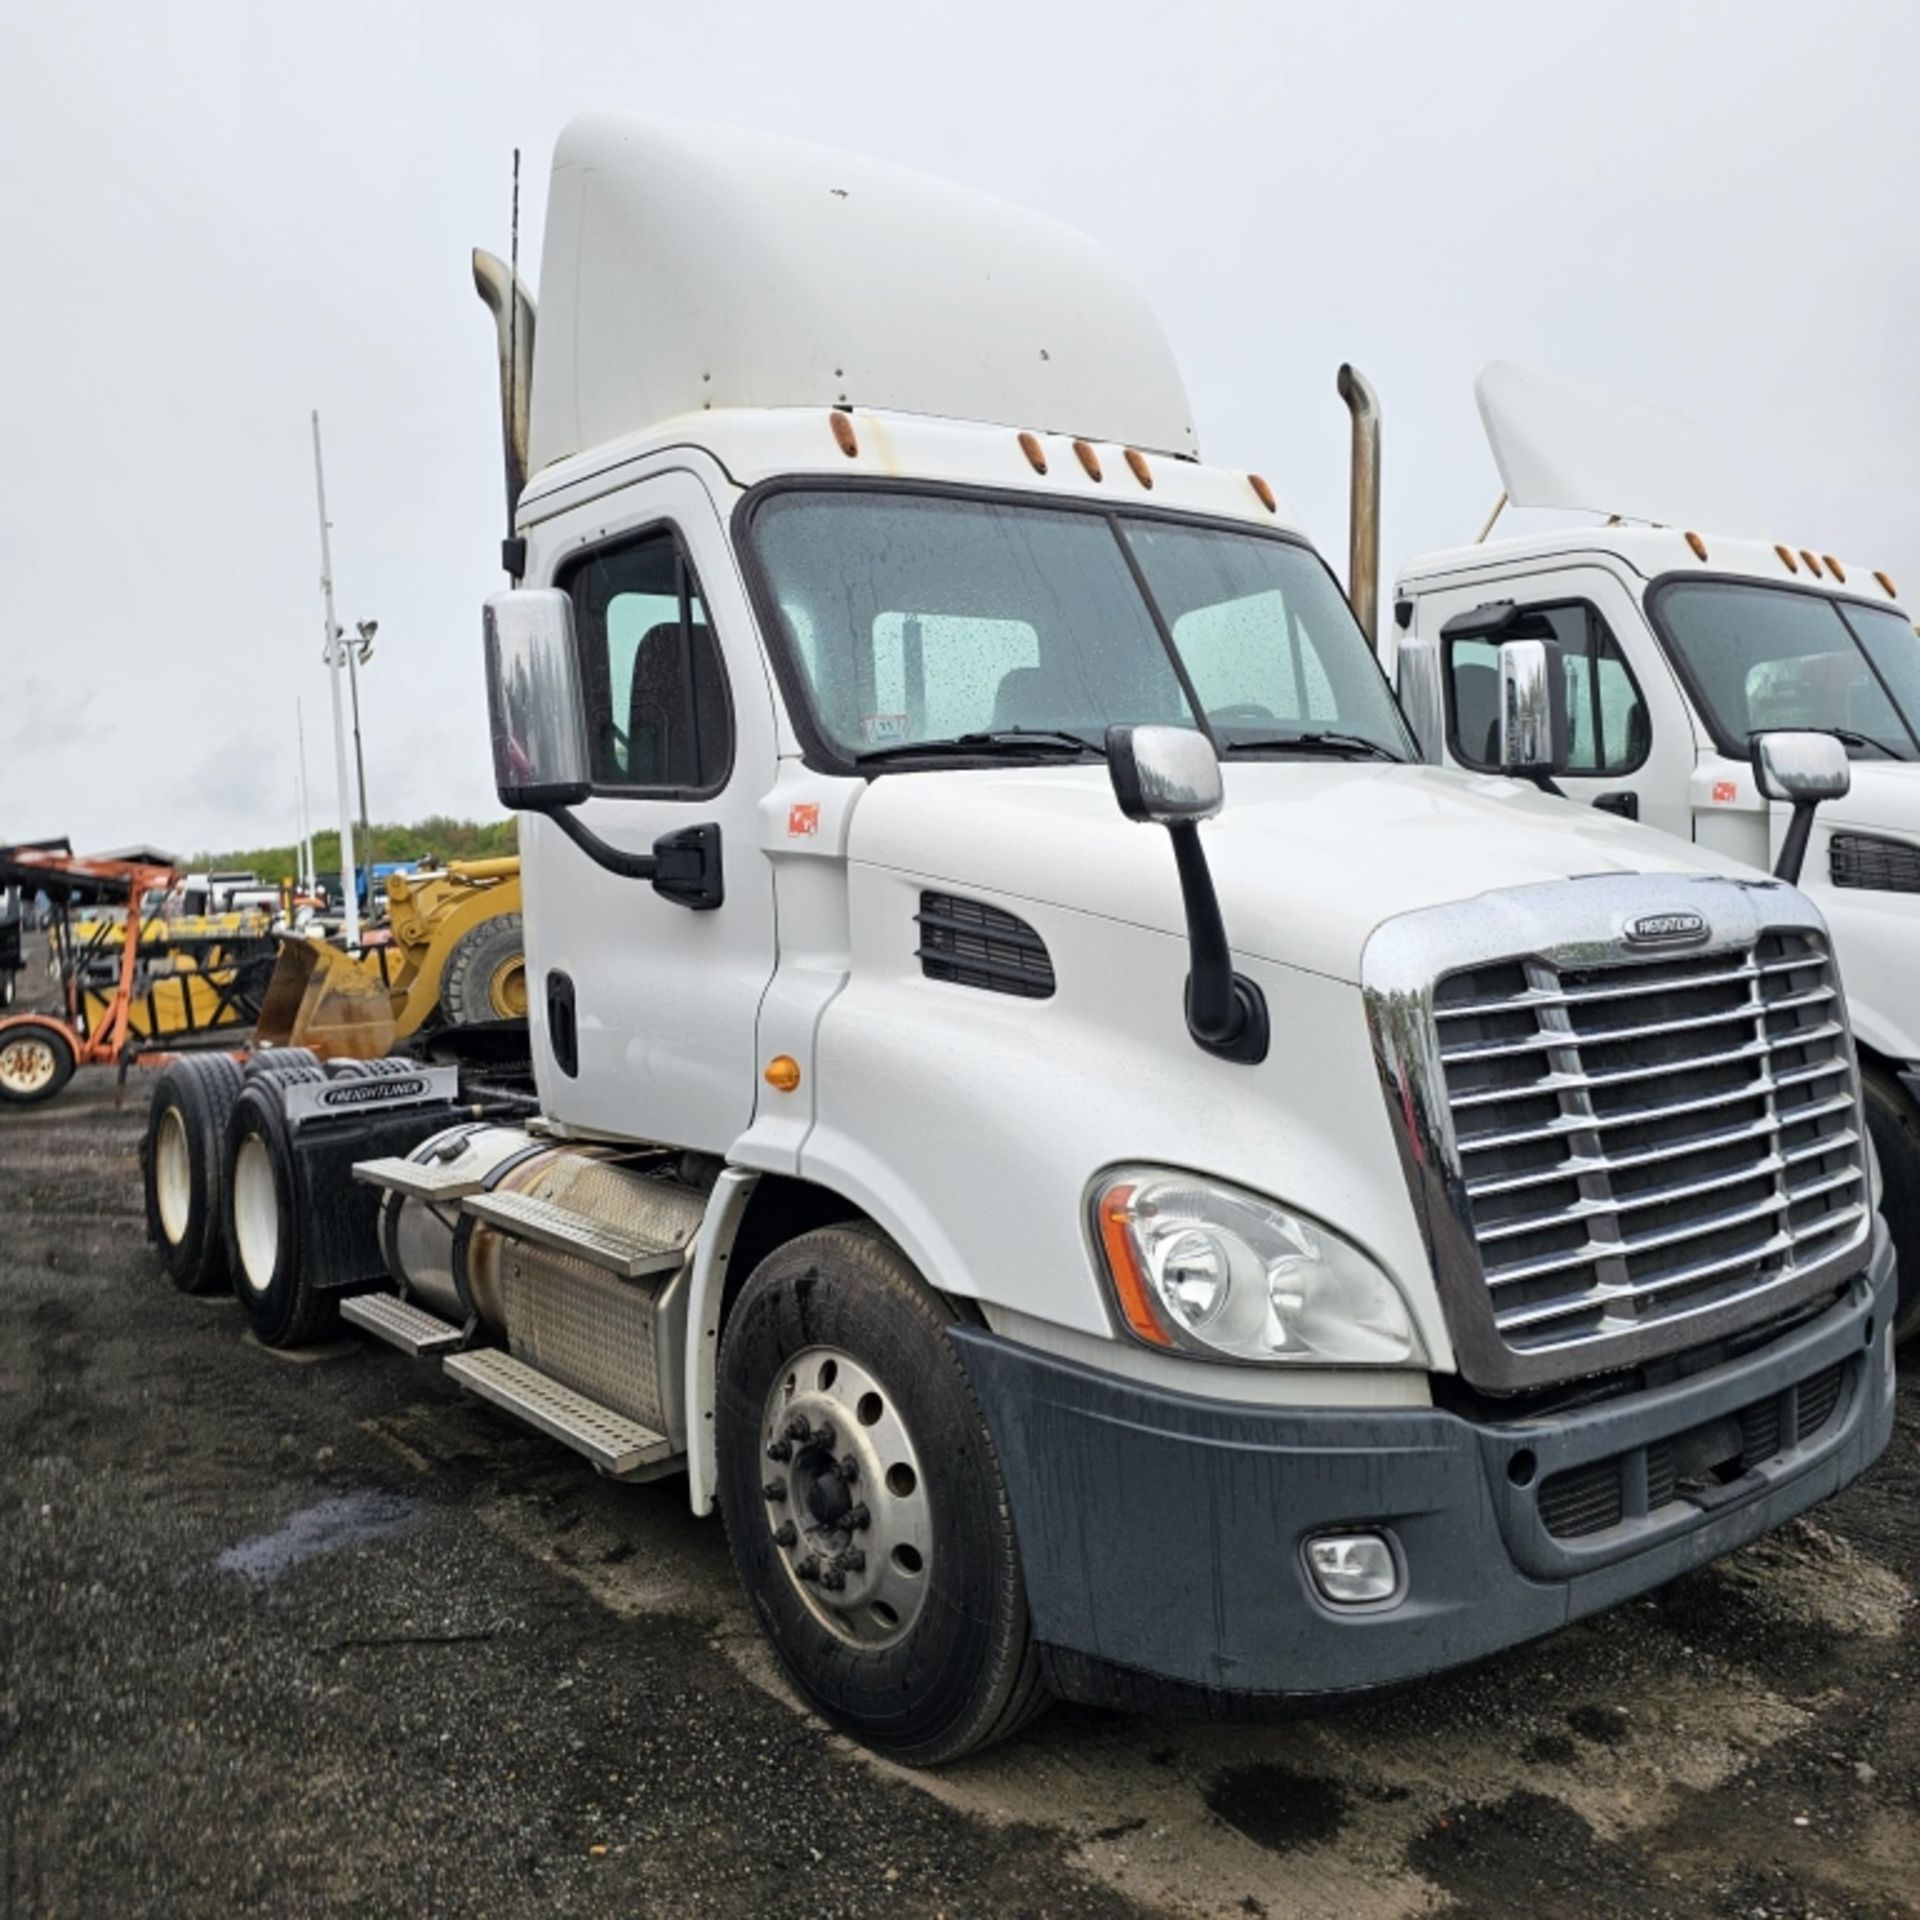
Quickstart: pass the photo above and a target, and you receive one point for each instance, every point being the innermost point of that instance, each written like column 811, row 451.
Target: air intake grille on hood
column 974, row 945
column 1882, row 866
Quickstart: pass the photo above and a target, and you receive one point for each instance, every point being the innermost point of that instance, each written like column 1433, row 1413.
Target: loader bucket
column 339, row 1004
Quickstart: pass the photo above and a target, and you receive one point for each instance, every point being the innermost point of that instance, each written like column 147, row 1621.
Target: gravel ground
column 321, row 1636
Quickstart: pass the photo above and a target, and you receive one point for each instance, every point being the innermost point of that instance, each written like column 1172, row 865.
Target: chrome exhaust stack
column 1363, row 512
column 512, row 307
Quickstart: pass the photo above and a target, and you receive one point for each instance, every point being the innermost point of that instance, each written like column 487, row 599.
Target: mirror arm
column 629, row 866
column 1226, row 1012
column 1793, row 849
column 1548, row 784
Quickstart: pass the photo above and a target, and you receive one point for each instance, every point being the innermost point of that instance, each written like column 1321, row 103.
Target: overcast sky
column 214, row 218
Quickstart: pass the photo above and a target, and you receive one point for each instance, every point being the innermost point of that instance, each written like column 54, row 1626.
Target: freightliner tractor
column 1113, row 1178
column 1680, row 635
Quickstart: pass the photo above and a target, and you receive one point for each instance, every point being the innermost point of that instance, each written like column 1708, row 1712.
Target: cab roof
column 689, row 268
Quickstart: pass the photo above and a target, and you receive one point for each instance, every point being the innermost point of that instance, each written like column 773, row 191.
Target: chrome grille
column 1642, row 1141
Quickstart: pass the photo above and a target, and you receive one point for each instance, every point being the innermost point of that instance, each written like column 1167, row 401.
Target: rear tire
column 35, row 1063
column 1895, row 1126
column 923, row 1649
column 263, row 1224
column 486, row 974
column 183, row 1162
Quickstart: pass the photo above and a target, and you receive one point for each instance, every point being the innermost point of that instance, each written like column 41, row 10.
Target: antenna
column 513, row 319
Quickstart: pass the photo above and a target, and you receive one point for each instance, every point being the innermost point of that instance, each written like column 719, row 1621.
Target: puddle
column 325, row 1527
column 1278, row 1808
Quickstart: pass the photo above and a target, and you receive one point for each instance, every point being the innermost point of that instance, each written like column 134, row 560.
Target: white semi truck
column 1113, row 1178
column 1679, row 639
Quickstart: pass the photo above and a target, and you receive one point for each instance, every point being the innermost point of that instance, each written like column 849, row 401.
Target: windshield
column 1765, row 657
column 917, row 620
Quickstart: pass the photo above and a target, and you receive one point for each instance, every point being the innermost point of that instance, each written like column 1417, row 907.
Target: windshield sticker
column 879, row 728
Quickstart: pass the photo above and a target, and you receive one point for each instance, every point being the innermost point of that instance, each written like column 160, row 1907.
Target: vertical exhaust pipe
column 1363, row 509
column 512, row 306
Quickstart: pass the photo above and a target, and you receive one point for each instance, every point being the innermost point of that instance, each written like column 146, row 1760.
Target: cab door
column 1630, row 736
column 644, row 1004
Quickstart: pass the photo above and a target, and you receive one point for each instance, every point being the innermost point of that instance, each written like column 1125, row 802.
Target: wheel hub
column 845, row 1498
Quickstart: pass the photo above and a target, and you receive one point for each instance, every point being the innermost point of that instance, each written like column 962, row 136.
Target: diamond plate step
column 420, row 1179
column 391, row 1319
column 610, row 1440
column 630, row 1255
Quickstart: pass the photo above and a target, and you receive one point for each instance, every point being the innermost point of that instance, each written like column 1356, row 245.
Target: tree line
column 438, row 837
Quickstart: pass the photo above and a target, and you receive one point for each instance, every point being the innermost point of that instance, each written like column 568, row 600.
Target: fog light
column 1353, row 1569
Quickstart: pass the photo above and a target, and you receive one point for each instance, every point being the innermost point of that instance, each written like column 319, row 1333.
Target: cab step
column 399, row 1324
column 617, row 1250
column 432, row 1181
column 615, row 1444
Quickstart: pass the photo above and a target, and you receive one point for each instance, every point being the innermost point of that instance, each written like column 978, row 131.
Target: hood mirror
column 1803, row 769
column 1170, row 777
column 1533, row 712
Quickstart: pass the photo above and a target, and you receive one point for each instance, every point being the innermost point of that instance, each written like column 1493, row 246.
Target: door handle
column 686, row 867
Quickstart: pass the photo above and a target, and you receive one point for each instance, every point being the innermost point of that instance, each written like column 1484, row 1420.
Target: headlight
column 1203, row 1268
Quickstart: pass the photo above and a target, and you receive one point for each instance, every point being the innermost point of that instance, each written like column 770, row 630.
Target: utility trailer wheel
column 1895, row 1127
column 183, row 1163
column 262, row 1225
column 864, row 1504
column 486, row 974
column 35, row 1063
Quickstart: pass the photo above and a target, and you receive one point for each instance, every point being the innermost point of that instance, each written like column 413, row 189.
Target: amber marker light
column 1088, row 459
column 1813, row 564
column 1035, row 452
column 783, row 1073
column 1698, row 545
column 1263, row 493
column 1123, row 1262
column 1835, row 568
column 1886, row 585
column 843, row 432
column 1141, row 471
column 1787, row 560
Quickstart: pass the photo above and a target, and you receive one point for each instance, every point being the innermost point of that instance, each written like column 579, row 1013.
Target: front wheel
column 1895, row 1126
column 35, row 1063
column 864, row 1503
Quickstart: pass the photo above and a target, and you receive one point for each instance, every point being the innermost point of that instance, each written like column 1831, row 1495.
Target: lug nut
column 808, row 1569
column 797, row 1428
column 849, row 1468
column 774, row 1490
column 784, row 1534
column 823, row 1436
column 780, row 1450
column 832, row 1578
column 854, row 1560
column 858, row 1518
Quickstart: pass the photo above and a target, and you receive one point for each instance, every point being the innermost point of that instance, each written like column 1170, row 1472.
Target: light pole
column 349, row 879
column 357, row 657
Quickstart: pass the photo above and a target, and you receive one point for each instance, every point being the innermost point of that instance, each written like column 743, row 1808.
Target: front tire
column 1895, row 1126
column 864, row 1504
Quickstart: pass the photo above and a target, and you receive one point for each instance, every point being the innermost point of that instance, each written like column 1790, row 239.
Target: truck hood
column 1308, row 858
column 1885, row 796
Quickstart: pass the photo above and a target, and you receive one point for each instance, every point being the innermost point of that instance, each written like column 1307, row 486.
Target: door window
column 651, row 677
column 1607, row 728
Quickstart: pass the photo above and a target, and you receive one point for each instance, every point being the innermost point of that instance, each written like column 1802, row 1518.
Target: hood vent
column 970, row 944
column 1868, row 861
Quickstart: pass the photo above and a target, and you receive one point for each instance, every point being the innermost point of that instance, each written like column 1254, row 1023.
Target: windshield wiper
column 1313, row 743
column 1001, row 740
column 1854, row 738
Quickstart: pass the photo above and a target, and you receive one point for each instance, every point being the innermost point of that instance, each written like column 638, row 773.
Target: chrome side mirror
column 533, row 701
column 1165, row 775
column 1533, row 711
column 1170, row 777
column 1803, row 769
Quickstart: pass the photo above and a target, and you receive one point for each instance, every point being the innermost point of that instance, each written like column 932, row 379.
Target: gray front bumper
column 1162, row 1535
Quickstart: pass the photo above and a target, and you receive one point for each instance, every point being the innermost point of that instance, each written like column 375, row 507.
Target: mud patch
column 1527, row 1853
column 1604, row 1726
column 1278, row 1808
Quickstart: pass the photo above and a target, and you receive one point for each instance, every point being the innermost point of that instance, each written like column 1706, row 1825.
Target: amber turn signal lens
column 1887, row 586
column 1787, row 560
column 1123, row 1262
column 1035, row 452
column 783, row 1073
column 1088, row 459
column 1835, row 568
column 1698, row 545
column 1263, row 493
column 843, row 432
